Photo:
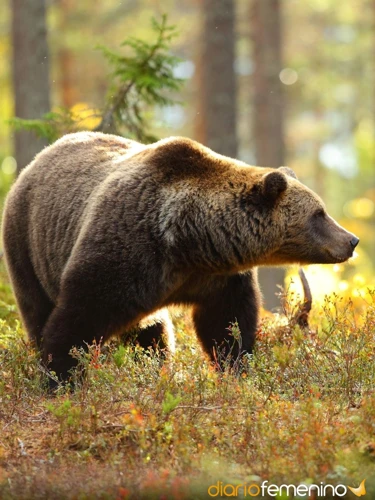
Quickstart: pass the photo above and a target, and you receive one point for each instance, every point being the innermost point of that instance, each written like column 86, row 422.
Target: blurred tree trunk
column 268, row 130
column 69, row 94
column 217, row 87
column 30, row 73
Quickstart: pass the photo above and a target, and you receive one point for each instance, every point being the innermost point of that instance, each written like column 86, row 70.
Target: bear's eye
column 320, row 213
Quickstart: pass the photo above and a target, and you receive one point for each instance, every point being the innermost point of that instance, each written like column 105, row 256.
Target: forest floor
column 302, row 412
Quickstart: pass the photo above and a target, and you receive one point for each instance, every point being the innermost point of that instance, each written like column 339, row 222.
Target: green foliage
column 18, row 368
column 67, row 415
column 141, row 79
column 138, row 80
column 52, row 125
column 7, row 174
column 119, row 356
column 170, row 403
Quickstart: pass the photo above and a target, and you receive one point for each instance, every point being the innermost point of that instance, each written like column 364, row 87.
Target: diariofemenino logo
column 246, row 490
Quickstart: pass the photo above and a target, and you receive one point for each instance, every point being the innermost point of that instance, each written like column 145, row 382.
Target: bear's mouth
column 338, row 259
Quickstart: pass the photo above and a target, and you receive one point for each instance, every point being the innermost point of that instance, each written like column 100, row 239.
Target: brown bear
column 101, row 232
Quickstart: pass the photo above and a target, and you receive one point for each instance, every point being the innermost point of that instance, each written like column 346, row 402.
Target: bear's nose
column 354, row 241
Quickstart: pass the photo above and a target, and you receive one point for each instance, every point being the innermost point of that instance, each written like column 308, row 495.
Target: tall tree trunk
column 268, row 130
column 69, row 94
column 217, row 125
column 30, row 73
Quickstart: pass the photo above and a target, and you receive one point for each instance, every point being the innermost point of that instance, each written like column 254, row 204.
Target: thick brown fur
column 101, row 232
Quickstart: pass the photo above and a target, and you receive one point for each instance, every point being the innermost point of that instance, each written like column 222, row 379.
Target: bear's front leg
column 233, row 298
column 67, row 327
column 97, row 299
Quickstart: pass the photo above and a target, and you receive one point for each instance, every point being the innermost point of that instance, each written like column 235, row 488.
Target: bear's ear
column 288, row 171
column 274, row 184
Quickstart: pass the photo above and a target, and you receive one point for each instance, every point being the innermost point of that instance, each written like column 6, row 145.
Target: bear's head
column 306, row 233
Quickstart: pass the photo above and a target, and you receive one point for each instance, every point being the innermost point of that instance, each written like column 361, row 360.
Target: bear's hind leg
column 157, row 331
column 235, row 298
column 33, row 303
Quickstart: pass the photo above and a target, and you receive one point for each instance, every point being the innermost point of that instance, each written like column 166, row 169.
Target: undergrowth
column 301, row 409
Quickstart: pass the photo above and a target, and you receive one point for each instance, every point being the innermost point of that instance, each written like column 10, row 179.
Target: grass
column 303, row 411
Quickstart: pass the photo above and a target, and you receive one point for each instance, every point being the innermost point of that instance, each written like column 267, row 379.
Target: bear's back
column 48, row 200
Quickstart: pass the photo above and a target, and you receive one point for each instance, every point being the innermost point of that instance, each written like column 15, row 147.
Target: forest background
column 271, row 83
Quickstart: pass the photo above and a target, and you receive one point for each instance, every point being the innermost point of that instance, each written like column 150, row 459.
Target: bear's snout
column 340, row 243
column 349, row 243
column 354, row 242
